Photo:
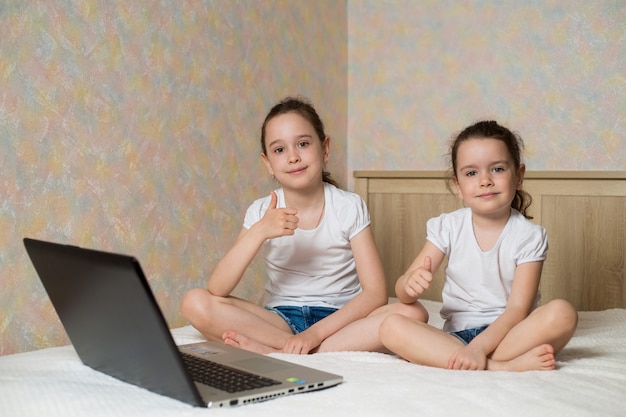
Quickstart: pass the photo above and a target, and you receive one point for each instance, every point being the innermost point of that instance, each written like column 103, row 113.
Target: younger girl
column 495, row 256
column 326, row 288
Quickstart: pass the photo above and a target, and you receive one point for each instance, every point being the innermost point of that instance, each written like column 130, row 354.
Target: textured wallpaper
column 553, row 70
column 134, row 127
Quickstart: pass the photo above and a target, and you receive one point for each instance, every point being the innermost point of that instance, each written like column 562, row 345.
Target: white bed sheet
column 590, row 381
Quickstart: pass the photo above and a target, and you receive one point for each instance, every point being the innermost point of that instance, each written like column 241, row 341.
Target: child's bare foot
column 540, row 358
column 232, row 338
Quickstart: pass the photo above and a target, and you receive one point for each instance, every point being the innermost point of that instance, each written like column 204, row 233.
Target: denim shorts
column 300, row 318
column 467, row 335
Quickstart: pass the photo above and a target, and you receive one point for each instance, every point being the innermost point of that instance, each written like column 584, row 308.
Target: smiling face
column 295, row 155
column 486, row 177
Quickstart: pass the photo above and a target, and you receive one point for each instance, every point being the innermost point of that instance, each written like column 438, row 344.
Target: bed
column 590, row 381
column 585, row 215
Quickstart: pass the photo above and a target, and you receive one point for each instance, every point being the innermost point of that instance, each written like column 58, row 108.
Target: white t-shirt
column 478, row 283
column 314, row 267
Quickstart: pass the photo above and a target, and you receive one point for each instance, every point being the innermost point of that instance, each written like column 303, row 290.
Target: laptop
column 112, row 318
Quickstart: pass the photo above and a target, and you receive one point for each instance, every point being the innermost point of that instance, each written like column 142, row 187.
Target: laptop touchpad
column 261, row 365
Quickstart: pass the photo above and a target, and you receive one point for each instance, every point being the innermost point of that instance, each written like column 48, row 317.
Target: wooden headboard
column 583, row 212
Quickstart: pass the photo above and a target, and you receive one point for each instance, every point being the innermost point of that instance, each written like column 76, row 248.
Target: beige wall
column 552, row 70
column 133, row 126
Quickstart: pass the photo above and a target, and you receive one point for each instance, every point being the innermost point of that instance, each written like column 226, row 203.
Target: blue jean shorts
column 300, row 318
column 468, row 335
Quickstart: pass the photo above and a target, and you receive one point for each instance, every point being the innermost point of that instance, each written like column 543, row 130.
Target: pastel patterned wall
column 133, row 126
column 553, row 70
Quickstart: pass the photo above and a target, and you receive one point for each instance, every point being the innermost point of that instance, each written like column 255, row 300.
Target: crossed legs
column 240, row 323
column 530, row 345
column 214, row 316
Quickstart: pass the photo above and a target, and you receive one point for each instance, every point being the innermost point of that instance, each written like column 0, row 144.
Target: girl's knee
column 420, row 313
column 561, row 317
column 391, row 327
column 415, row 311
column 563, row 313
column 194, row 302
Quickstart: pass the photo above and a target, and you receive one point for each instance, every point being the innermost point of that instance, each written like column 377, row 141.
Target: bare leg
column 531, row 345
column 418, row 342
column 363, row 334
column 553, row 323
column 213, row 316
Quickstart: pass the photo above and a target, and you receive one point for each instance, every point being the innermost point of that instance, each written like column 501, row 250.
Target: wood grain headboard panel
column 583, row 212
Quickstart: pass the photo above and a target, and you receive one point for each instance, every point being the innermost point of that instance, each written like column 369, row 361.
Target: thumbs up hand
column 418, row 280
column 278, row 222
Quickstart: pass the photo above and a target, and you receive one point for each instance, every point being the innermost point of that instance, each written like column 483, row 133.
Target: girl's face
column 486, row 177
column 295, row 154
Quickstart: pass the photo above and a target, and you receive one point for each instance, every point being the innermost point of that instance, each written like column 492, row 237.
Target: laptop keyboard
column 223, row 377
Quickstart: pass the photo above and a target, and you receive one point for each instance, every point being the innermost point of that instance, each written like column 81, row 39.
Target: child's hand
column 300, row 344
column 418, row 280
column 468, row 358
column 278, row 222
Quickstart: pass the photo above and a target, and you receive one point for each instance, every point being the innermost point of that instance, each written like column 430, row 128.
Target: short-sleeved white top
column 314, row 267
column 478, row 283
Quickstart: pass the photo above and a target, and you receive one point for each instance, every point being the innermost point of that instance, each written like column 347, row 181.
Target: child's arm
column 230, row 269
column 419, row 275
column 373, row 295
column 518, row 307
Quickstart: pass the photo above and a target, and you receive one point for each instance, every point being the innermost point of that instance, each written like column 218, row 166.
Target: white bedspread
column 590, row 381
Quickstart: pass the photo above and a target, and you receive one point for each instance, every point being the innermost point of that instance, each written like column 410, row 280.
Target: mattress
column 590, row 380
